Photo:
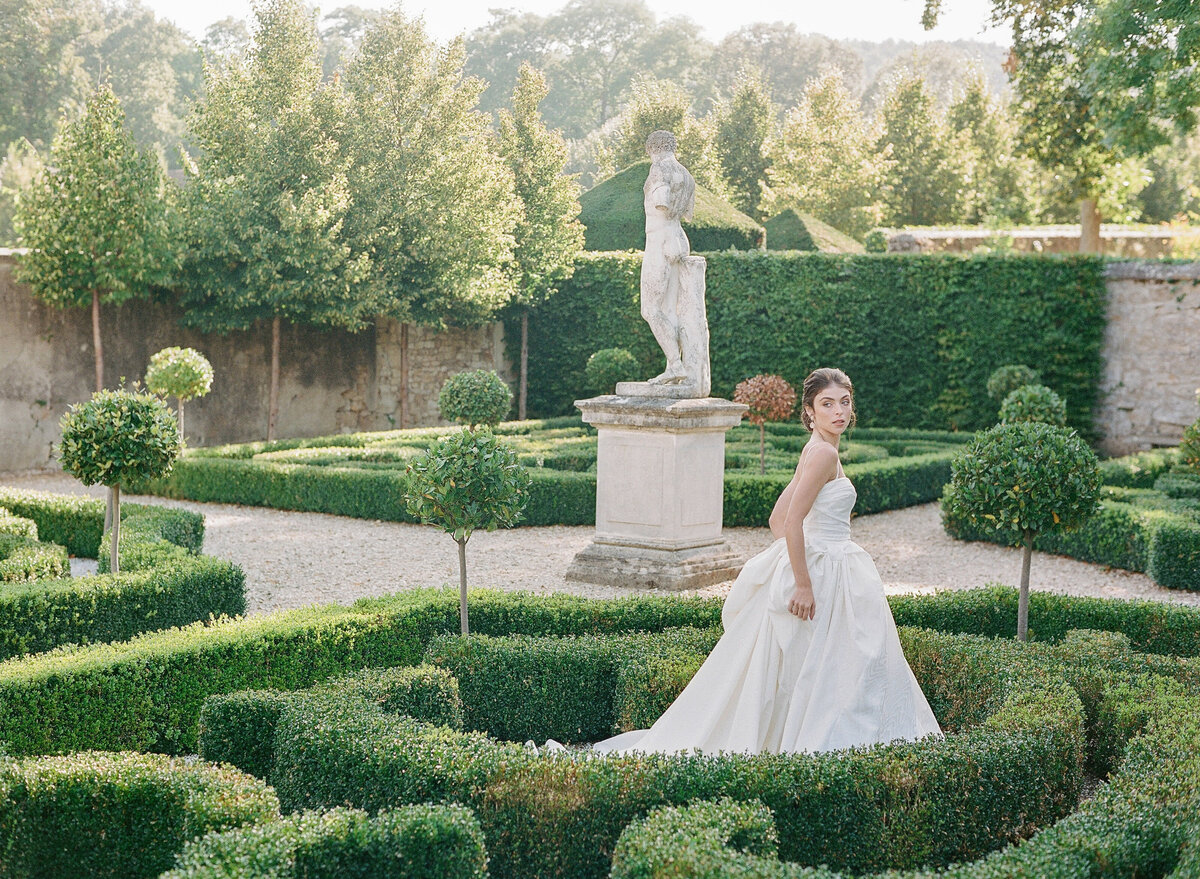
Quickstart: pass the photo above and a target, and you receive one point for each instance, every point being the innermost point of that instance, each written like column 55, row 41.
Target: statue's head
column 660, row 142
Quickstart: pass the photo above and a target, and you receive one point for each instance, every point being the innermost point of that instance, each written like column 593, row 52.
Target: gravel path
column 296, row 559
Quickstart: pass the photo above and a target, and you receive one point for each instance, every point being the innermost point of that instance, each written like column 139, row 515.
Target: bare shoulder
column 821, row 459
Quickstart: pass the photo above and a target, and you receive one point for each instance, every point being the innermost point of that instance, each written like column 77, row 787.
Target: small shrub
column 117, row 438
column 770, row 398
column 23, row 559
column 474, row 397
column 17, row 525
column 1034, row 403
column 182, row 373
column 607, row 367
column 1189, row 448
column 876, row 241
column 1007, row 379
column 1022, row 479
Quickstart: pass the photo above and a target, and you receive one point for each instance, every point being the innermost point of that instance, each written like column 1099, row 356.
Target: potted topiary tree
column 770, row 398
column 118, row 437
column 467, row 482
column 475, row 397
column 1034, row 403
column 182, row 373
column 1023, row 479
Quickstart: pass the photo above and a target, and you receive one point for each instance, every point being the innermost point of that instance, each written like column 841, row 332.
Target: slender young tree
column 266, row 207
column 744, row 124
column 548, row 235
column 94, row 218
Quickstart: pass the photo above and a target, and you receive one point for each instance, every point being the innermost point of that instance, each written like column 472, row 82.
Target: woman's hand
column 802, row 603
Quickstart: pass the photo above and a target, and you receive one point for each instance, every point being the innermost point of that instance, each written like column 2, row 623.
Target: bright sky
column 874, row 20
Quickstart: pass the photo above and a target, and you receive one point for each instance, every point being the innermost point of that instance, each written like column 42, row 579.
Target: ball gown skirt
column 775, row 683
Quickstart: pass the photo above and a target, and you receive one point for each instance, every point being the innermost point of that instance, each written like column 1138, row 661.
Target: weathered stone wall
column 1114, row 241
column 331, row 381
column 1151, row 355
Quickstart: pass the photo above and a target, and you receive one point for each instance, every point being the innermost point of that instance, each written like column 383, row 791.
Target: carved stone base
column 680, row 391
column 613, row 564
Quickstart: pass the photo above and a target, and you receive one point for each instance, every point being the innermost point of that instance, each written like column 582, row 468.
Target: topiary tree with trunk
column 475, row 397
column 770, row 398
column 1034, row 403
column 607, row 367
column 1023, row 479
column 182, row 373
column 467, row 482
column 1006, row 379
column 117, row 438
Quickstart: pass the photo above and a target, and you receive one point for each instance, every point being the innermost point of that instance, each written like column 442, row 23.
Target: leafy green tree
column 548, row 236
column 94, row 219
column 433, row 202
column 475, row 397
column 225, row 40
column 744, row 125
column 117, row 438
column 824, row 160
column 786, row 60
column 18, row 170
column 341, row 32
column 608, row 366
column 1024, row 479
column 182, row 373
column 467, row 482
column 264, row 214
column 924, row 181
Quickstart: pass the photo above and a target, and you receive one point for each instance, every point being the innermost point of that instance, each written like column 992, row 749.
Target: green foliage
column 789, row 230
column 18, row 525
column 1189, row 447
column 117, row 815
column 918, row 334
column 1025, row 478
column 410, row 842
column 744, row 124
column 1034, row 403
column 179, row 372
column 875, row 241
column 608, row 366
column 614, row 218
column 25, row 558
column 474, row 397
column 824, row 161
column 117, row 438
column 94, row 218
column 1008, row 378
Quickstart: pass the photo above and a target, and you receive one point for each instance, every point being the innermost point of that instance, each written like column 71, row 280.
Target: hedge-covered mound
column 412, row 842
column 918, row 334
column 789, row 230
column 123, row 816
column 614, row 217
column 362, row 475
column 1154, row 530
column 164, row 583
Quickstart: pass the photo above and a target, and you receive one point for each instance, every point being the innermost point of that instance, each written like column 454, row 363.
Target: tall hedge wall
column 918, row 334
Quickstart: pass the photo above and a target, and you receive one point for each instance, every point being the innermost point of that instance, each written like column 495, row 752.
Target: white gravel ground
column 296, row 559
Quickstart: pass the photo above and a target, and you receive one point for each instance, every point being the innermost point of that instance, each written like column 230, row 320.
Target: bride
column 810, row 659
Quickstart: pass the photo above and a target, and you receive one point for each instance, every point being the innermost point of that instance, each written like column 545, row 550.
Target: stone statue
column 672, row 280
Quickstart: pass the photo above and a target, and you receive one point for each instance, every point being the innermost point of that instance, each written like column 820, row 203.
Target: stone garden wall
column 331, row 381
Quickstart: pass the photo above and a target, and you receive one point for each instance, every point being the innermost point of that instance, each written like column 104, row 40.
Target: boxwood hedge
column 412, row 842
column 164, row 582
column 124, row 816
column 26, row 558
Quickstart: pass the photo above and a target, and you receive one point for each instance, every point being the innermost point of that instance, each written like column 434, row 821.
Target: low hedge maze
column 1024, row 723
column 164, row 581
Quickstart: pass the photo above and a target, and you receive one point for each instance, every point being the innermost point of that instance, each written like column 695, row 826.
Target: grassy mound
column 790, row 230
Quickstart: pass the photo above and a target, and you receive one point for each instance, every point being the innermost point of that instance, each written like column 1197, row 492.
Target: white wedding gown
column 775, row 683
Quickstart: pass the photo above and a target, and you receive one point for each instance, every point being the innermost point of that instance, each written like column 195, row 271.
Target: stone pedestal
column 659, row 492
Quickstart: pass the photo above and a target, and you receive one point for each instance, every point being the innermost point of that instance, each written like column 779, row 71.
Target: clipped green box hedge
column 116, row 815
column 412, row 842
column 26, row 558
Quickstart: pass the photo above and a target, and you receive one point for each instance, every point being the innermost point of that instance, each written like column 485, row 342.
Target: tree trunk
column 462, row 585
column 524, row 364
column 273, row 409
column 1089, row 226
column 114, row 562
column 108, row 511
column 403, row 376
column 762, row 449
column 99, row 349
column 1023, row 600
column 179, row 400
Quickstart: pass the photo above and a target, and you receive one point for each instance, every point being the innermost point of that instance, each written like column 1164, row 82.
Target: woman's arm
column 819, row 469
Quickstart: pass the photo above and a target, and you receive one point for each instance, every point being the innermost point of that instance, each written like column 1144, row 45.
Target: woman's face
column 831, row 410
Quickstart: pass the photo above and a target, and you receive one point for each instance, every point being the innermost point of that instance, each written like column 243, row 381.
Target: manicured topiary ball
column 1034, row 403
column 119, row 437
column 474, row 397
column 179, row 372
column 607, row 367
column 1007, row 379
column 770, row 398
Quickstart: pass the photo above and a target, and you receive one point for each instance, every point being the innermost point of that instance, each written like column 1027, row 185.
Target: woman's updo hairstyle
column 817, row 381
